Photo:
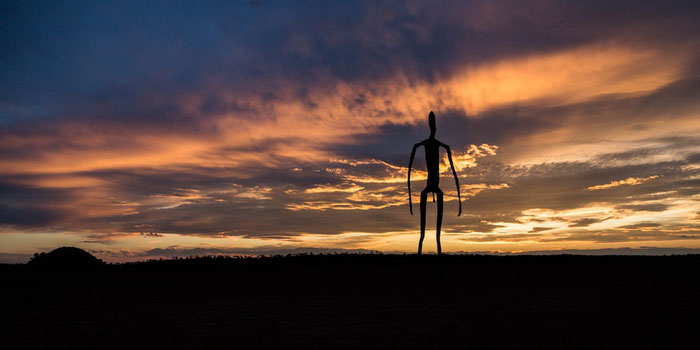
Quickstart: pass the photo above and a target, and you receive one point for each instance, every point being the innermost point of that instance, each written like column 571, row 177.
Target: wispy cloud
column 628, row 181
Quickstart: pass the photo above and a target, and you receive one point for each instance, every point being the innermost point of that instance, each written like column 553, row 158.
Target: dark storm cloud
column 59, row 56
column 28, row 215
column 130, row 64
column 32, row 207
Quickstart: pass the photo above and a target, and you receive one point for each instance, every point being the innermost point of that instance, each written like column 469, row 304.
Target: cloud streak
column 628, row 181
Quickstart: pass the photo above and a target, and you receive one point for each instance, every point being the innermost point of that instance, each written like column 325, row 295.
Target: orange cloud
column 632, row 181
column 330, row 189
column 552, row 78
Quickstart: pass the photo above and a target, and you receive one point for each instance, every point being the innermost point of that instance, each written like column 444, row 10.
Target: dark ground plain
column 359, row 301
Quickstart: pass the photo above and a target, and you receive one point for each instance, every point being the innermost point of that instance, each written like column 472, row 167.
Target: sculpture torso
column 432, row 162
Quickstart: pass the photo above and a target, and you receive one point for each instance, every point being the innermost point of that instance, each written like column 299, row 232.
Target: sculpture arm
column 449, row 156
column 410, row 164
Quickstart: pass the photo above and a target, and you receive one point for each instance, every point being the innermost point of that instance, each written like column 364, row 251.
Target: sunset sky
column 151, row 129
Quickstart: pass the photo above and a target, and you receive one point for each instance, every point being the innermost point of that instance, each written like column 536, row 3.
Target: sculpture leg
column 423, row 203
column 439, row 220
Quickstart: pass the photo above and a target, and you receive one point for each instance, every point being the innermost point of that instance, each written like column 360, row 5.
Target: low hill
column 65, row 258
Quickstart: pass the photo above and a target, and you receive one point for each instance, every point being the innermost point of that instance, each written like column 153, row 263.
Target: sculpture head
column 431, row 121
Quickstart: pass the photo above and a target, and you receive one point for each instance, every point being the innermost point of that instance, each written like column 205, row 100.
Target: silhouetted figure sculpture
column 432, row 162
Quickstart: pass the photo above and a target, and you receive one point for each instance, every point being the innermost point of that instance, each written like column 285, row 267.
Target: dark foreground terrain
column 356, row 301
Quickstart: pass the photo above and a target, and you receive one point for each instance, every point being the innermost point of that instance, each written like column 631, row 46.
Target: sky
column 149, row 129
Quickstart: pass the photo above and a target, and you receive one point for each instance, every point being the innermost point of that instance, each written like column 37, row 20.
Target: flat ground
column 352, row 301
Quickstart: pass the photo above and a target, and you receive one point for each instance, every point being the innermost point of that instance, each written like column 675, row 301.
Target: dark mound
column 65, row 257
